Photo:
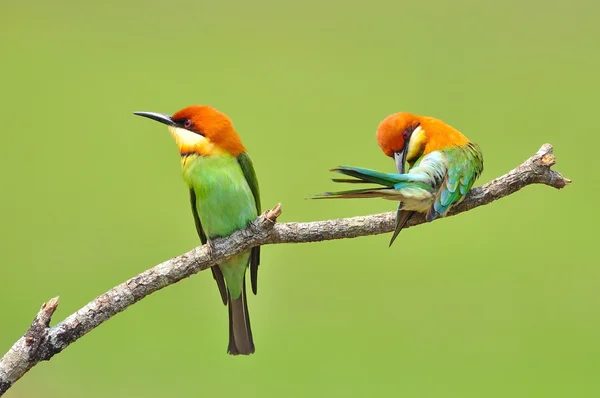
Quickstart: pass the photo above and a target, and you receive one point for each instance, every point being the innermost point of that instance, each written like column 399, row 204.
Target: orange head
column 201, row 129
column 406, row 137
column 394, row 135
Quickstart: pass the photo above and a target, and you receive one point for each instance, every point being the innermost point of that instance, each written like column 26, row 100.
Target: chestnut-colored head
column 394, row 132
column 201, row 129
column 406, row 137
column 394, row 136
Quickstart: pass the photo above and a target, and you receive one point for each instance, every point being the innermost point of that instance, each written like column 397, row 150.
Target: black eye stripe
column 183, row 123
column 409, row 130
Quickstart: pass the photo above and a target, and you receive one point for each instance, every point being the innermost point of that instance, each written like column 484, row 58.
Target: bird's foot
column 210, row 248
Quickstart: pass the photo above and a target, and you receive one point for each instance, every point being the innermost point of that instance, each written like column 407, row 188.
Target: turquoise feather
column 436, row 181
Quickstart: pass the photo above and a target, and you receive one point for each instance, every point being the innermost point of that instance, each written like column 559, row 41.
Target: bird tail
column 368, row 176
column 402, row 217
column 392, row 184
column 240, row 334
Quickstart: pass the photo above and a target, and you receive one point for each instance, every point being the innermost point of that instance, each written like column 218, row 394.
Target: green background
column 499, row 302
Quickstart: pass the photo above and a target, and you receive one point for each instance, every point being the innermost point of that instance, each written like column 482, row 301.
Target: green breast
column 224, row 201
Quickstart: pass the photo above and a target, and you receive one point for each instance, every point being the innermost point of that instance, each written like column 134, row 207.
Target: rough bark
column 41, row 342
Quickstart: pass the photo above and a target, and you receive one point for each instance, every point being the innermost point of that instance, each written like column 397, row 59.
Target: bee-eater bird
column 224, row 197
column 443, row 165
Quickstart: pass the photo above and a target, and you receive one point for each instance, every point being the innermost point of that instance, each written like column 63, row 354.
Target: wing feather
column 216, row 271
column 248, row 170
column 465, row 165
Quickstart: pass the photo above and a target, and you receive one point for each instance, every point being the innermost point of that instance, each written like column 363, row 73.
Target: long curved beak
column 400, row 158
column 159, row 117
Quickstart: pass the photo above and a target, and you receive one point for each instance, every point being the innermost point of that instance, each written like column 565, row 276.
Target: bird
column 224, row 197
column 443, row 165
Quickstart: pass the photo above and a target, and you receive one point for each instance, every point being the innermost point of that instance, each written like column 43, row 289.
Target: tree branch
column 41, row 342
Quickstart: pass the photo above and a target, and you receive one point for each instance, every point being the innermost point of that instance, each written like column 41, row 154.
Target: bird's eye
column 187, row 123
column 405, row 134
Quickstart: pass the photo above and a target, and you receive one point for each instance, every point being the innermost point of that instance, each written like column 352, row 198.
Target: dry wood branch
column 42, row 342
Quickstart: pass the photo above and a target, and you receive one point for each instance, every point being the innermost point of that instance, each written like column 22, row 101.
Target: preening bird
column 224, row 196
column 442, row 167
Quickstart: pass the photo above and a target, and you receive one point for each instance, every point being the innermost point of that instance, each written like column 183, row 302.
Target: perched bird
column 443, row 165
column 224, row 197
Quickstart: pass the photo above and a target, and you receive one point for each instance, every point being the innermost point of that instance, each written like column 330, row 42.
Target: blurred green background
column 499, row 302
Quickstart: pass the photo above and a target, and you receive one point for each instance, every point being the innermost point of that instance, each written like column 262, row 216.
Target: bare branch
column 29, row 349
column 535, row 170
column 41, row 342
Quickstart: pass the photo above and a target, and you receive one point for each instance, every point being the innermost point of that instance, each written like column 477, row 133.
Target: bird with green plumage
column 442, row 167
column 224, row 198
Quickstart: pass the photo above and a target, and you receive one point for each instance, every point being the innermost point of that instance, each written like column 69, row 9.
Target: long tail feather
column 367, row 175
column 395, row 186
column 350, row 181
column 402, row 217
column 354, row 193
column 240, row 334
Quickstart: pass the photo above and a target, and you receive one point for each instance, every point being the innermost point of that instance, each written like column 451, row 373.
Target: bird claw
column 210, row 248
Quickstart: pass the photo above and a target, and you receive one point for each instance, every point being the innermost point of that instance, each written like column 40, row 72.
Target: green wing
column 248, row 170
column 216, row 271
column 465, row 165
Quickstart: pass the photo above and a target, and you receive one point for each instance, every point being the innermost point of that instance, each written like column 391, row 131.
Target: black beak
column 400, row 158
column 159, row 117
